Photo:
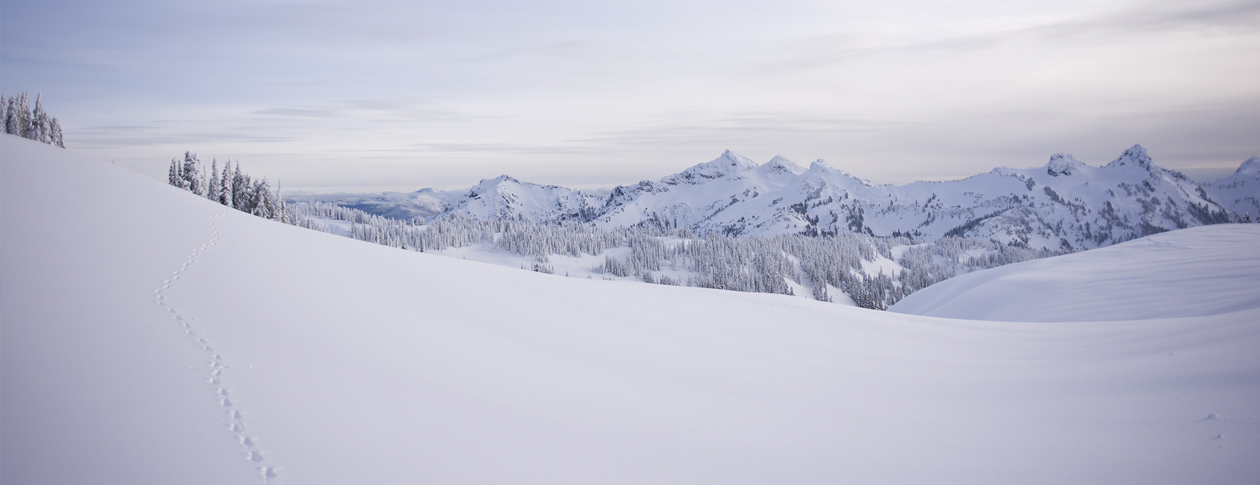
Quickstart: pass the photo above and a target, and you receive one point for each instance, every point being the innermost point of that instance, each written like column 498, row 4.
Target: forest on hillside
column 821, row 263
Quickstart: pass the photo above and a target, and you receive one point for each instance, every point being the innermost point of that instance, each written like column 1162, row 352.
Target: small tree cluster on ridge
column 21, row 120
column 232, row 187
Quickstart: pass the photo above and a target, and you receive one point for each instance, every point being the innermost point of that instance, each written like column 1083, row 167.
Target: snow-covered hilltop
column 1065, row 204
column 1191, row 272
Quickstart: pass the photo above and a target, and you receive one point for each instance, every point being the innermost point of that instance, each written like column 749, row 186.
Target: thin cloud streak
column 1231, row 18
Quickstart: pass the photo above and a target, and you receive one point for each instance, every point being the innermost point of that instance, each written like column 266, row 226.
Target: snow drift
column 151, row 336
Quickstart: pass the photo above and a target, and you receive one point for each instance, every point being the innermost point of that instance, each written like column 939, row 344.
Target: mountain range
column 1065, row 204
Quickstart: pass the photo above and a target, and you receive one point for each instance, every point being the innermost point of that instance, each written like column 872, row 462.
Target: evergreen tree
column 39, row 121
column 173, row 176
column 225, row 184
column 264, row 206
column 191, row 173
column 54, row 131
column 11, row 117
column 240, row 190
column 281, row 208
column 22, row 117
column 212, row 188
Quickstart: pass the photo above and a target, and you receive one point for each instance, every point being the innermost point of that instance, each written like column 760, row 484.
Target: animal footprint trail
column 214, row 361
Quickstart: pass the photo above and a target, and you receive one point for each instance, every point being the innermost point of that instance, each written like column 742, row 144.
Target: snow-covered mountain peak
column 504, row 197
column 730, row 163
column 490, row 185
column 1251, row 166
column 781, row 165
column 820, row 168
column 1064, row 164
column 1134, row 156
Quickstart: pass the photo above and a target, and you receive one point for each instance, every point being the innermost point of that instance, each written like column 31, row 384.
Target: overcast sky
column 399, row 95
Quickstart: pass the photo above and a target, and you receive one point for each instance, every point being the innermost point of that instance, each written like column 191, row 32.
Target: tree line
column 232, row 187
column 763, row 265
column 36, row 124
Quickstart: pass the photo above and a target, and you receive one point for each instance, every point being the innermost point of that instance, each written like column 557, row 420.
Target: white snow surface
column 355, row 363
column 1207, row 270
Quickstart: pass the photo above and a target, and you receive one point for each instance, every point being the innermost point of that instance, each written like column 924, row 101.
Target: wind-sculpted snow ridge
column 1065, row 204
column 365, row 364
column 215, row 366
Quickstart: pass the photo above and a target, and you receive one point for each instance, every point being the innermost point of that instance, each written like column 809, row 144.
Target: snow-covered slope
column 1201, row 271
column 1239, row 192
column 345, row 362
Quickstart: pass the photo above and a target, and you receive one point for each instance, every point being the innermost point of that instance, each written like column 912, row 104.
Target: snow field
column 358, row 363
column 1192, row 272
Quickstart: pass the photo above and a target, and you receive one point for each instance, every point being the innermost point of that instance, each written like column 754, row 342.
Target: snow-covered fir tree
column 225, row 184
column 241, row 198
column 54, row 131
column 17, row 118
column 39, row 121
column 232, row 188
column 213, row 186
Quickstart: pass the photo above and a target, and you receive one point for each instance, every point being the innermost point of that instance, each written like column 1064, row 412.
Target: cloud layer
column 395, row 94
